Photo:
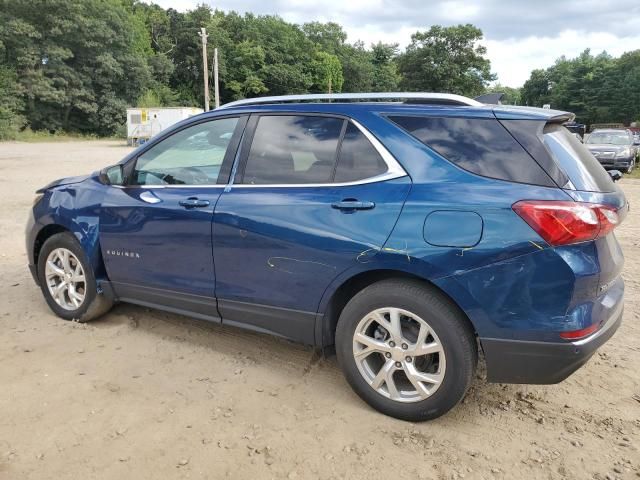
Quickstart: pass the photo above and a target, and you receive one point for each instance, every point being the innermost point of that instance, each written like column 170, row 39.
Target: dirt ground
column 145, row 394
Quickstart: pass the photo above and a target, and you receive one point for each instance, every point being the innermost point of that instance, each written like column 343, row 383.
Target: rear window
column 358, row 159
column 582, row 168
column 479, row 145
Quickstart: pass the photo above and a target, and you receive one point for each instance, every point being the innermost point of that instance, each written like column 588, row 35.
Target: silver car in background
column 614, row 149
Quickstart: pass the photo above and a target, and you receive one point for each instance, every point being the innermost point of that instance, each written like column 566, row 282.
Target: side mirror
column 113, row 175
column 615, row 175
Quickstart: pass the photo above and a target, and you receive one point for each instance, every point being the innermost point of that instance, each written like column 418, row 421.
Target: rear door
column 313, row 196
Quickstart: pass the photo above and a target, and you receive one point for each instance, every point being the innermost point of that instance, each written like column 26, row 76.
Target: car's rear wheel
column 67, row 280
column 406, row 349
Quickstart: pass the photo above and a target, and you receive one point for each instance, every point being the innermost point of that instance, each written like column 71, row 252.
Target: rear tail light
column 582, row 333
column 563, row 223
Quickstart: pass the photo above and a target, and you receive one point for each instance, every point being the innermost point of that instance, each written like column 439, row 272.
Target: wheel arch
column 87, row 236
column 336, row 298
column 42, row 236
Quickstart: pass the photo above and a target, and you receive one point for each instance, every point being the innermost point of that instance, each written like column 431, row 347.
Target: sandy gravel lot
column 144, row 394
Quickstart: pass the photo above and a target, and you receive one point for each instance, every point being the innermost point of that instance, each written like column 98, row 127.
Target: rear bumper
column 516, row 361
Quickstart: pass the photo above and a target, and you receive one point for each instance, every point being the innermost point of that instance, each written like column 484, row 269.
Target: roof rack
column 407, row 97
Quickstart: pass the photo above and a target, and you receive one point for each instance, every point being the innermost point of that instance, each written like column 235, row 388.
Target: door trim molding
column 177, row 302
column 293, row 324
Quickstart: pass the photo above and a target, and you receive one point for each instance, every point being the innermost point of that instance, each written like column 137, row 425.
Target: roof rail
column 408, row 97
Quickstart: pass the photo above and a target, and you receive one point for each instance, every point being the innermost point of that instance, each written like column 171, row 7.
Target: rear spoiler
column 506, row 111
column 562, row 118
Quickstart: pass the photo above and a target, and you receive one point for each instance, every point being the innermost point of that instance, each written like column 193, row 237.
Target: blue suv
column 409, row 231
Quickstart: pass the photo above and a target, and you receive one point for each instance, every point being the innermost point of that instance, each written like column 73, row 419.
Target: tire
column 631, row 165
column 449, row 369
column 69, row 306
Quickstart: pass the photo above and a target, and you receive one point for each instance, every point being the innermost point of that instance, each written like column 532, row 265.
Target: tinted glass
column 293, row 149
column 479, row 145
column 529, row 134
column 358, row 159
column 192, row 156
column 584, row 171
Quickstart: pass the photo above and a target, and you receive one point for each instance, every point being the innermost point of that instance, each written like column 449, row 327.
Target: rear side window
column 582, row 168
column 358, row 158
column 479, row 145
column 293, row 149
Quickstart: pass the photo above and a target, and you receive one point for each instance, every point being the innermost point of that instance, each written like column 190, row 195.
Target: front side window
column 192, row 156
column 293, row 149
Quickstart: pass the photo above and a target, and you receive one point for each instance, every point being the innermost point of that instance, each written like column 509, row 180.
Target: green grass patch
column 634, row 174
column 32, row 136
column 35, row 136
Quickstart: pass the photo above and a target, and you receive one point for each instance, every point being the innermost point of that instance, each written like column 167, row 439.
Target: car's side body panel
column 74, row 207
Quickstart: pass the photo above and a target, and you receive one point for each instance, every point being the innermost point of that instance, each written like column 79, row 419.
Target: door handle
column 193, row 202
column 350, row 204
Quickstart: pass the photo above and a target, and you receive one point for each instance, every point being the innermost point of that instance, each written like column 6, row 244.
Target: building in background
column 144, row 123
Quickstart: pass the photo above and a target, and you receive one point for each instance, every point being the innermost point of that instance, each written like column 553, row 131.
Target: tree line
column 598, row 89
column 76, row 66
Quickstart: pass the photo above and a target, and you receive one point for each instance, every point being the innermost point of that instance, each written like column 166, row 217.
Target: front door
column 313, row 196
column 155, row 231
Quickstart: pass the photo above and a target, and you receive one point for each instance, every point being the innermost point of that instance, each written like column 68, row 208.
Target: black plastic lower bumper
column 34, row 273
column 515, row 361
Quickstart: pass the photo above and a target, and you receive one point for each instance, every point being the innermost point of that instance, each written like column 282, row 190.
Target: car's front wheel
column 67, row 280
column 406, row 349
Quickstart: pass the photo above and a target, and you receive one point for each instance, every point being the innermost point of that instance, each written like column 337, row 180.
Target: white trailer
column 144, row 123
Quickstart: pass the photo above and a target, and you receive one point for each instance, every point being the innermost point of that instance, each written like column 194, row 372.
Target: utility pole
column 216, row 90
column 204, row 36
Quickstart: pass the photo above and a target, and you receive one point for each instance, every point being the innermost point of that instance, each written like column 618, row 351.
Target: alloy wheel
column 65, row 279
column 399, row 355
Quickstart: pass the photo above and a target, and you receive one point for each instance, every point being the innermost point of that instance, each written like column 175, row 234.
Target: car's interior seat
column 273, row 165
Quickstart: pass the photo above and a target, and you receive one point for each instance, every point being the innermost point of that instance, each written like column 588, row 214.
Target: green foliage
column 327, row 73
column 10, row 105
column 385, row 72
column 357, row 68
column 596, row 88
column 159, row 96
column 446, row 59
column 79, row 63
column 328, row 37
column 75, row 66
